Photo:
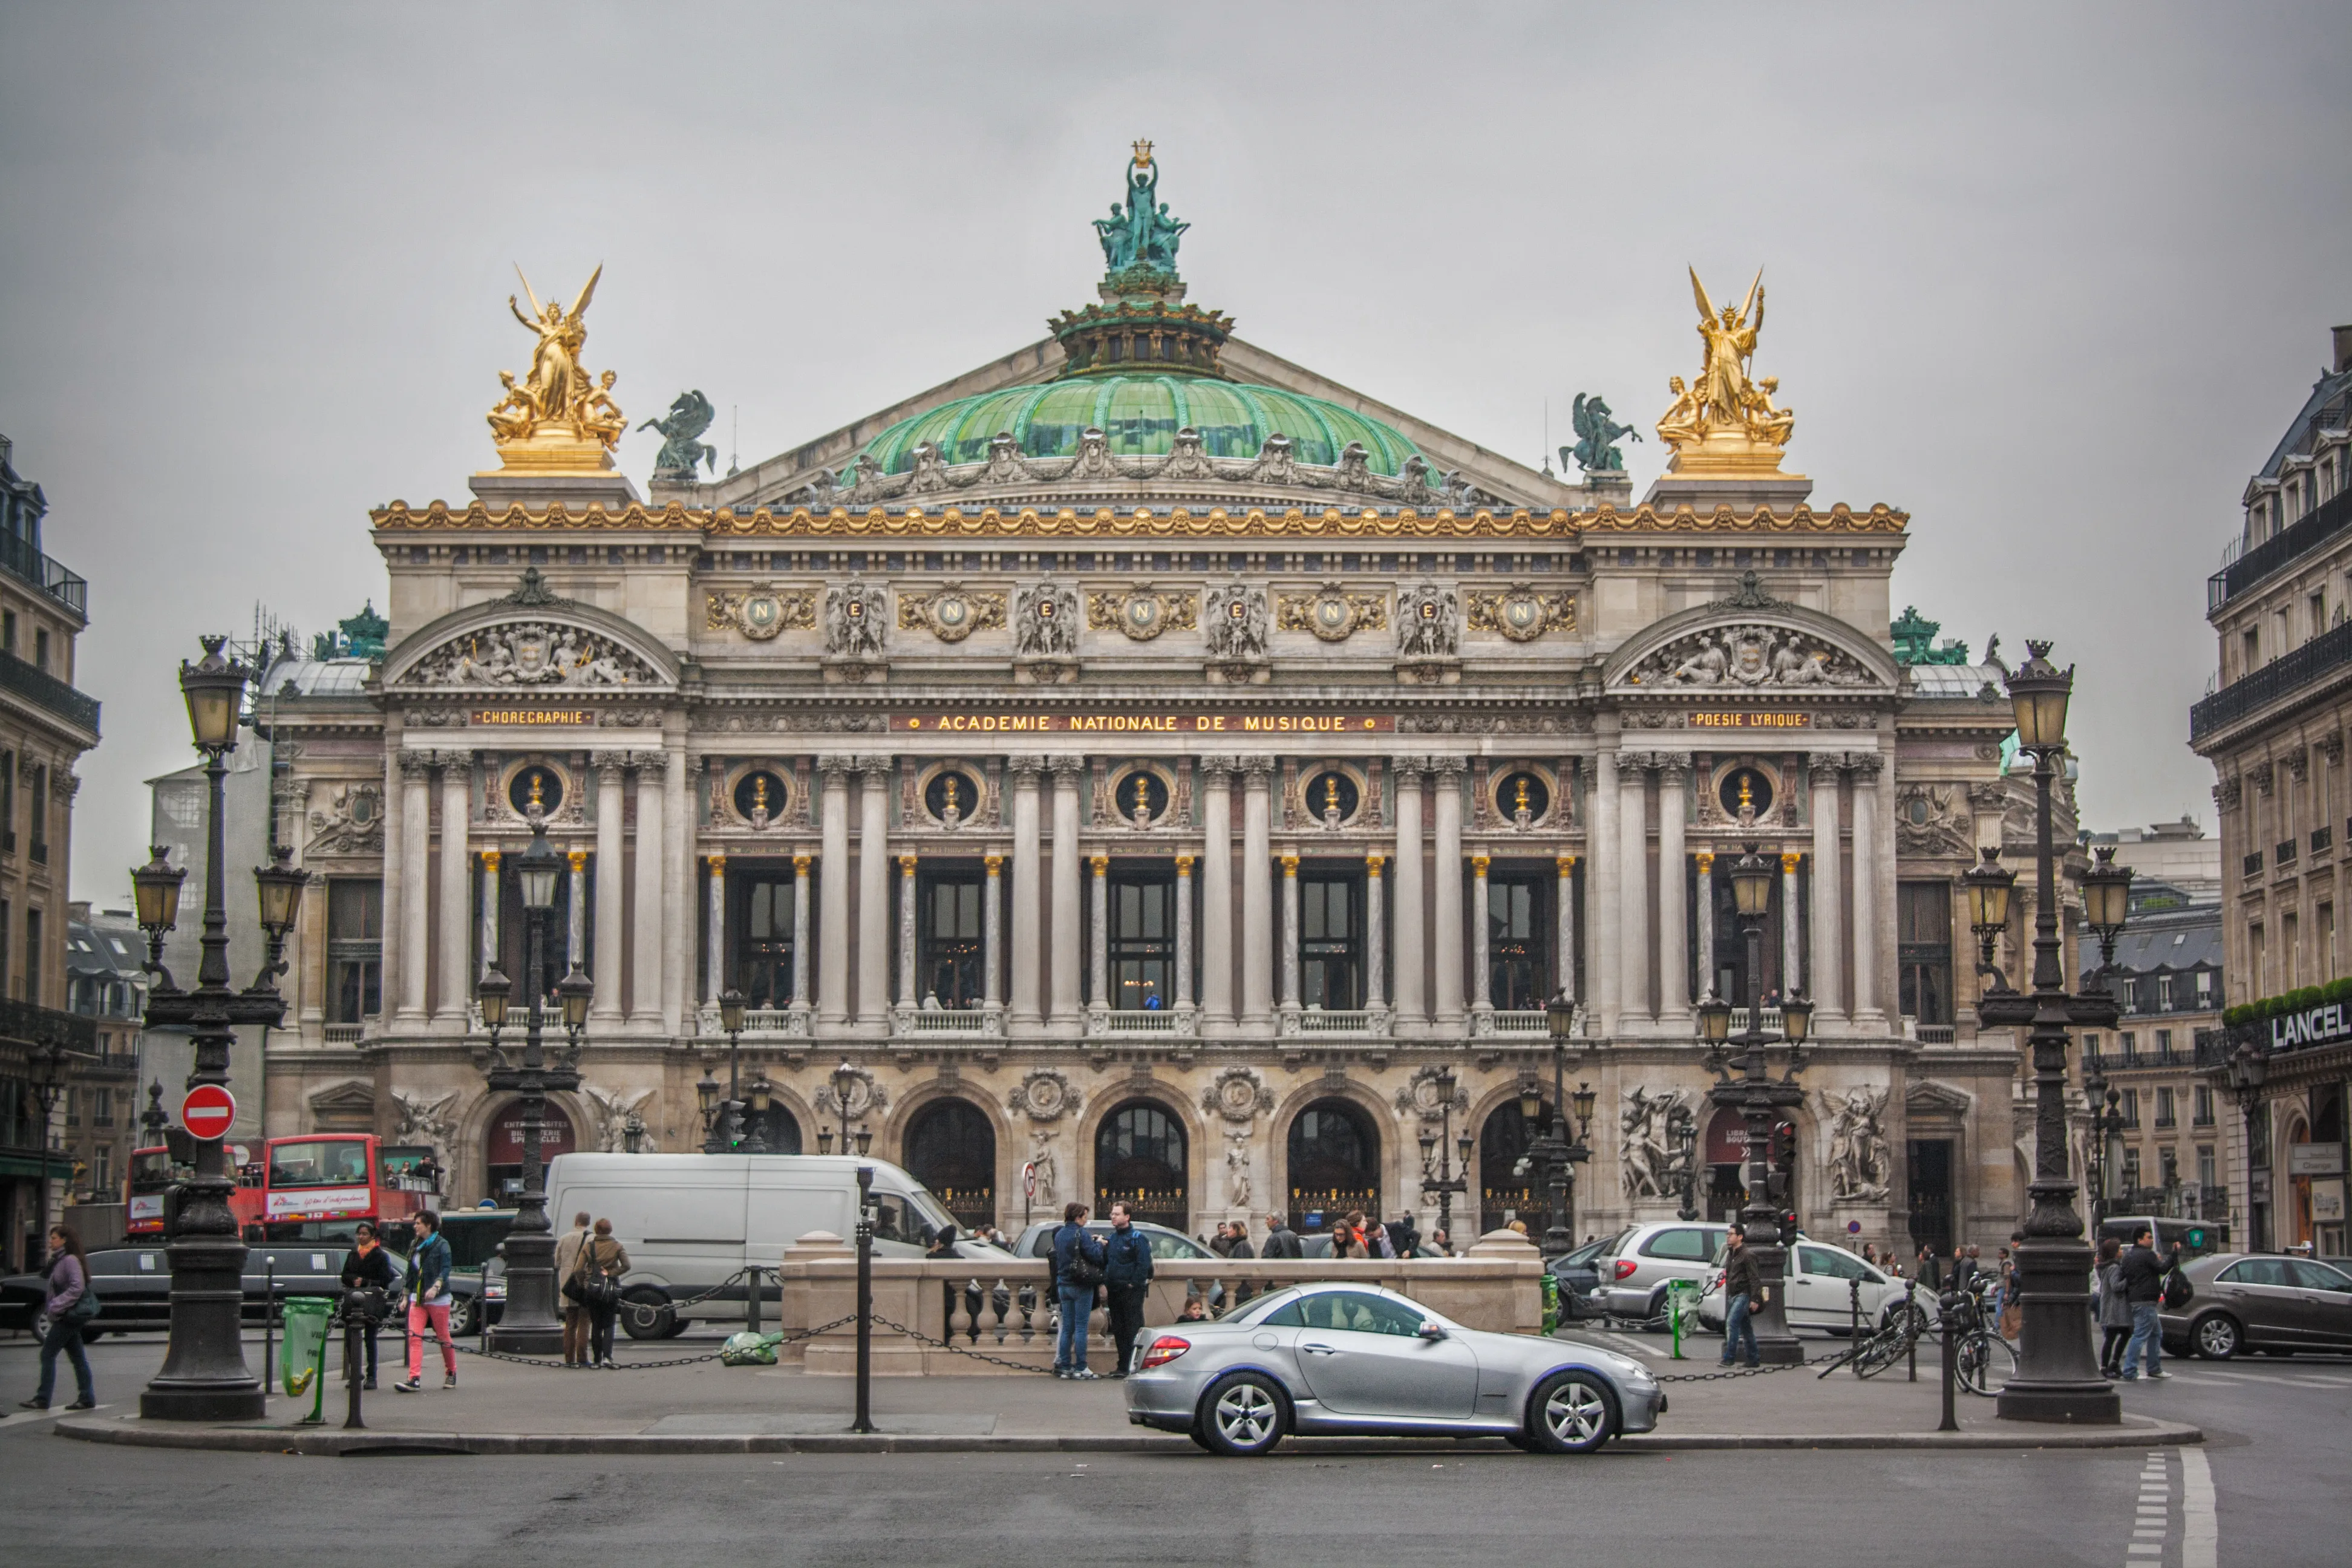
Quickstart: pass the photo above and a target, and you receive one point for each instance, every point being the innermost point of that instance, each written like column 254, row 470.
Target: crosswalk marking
column 2200, row 1525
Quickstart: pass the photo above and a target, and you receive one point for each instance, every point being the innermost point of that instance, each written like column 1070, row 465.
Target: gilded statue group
column 1142, row 233
column 1725, row 398
column 558, row 392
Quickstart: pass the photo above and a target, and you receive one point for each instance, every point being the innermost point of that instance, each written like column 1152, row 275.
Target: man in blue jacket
column 1126, row 1273
column 1077, row 1274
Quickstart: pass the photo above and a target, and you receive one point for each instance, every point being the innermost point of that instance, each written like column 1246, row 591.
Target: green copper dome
column 1140, row 415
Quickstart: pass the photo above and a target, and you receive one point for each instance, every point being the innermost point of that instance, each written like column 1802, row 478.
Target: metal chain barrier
column 1741, row 1371
column 960, row 1350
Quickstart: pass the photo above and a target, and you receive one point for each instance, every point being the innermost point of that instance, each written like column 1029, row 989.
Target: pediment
column 530, row 641
column 350, row 1096
column 1750, row 644
column 1928, row 1098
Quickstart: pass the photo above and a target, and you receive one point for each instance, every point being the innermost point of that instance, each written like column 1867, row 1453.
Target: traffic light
column 1784, row 1145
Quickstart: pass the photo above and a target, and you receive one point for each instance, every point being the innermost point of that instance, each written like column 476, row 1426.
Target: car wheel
column 1244, row 1415
column 462, row 1324
column 647, row 1314
column 1572, row 1413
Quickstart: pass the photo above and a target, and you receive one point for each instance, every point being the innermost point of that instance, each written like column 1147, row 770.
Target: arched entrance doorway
column 779, row 1129
column 1726, row 1178
column 1139, row 1158
column 951, row 1150
column 502, row 1149
column 1507, row 1192
column 1334, row 1163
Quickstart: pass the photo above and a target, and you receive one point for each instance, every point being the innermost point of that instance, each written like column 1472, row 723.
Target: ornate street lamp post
column 844, row 1085
column 1760, row 1101
column 1686, row 1151
column 205, row 1377
column 1437, row 1174
column 724, row 1134
column 2058, row 1374
column 528, row 1325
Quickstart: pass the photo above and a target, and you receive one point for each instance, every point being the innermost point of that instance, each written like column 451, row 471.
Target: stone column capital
column 649, row 764
column 1216, row 772
column 415, row 767
column 907, row 865
column 1449, row 770
column 995, row 864
column 1567, row 864
column 1789, row 860
column 1674, row 767
column 1068, row 771
column 578, row 859
column 1865, row 766
column 1374, row 862
column 717, row 861
column 1290, row 864
column 836, row 769
column 610, row 766
column 877, row 771
column 1257, row 771
column 1183, row 865
column 1478, row 864
column 1101, row 863
column 1024, row 767
column 1821, row 771
column 491, row 860
column 801, row 864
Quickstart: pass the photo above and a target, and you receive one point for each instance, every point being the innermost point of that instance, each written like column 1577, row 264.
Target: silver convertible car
column 1355, row 1359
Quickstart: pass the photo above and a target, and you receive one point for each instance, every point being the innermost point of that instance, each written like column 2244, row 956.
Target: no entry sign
column 209, row 1110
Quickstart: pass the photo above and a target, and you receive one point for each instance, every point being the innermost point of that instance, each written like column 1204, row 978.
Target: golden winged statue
column 559, row 417
column 1726, row 422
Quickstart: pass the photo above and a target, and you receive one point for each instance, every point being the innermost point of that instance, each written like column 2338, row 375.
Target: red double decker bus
column 319, row 1186
column 150, row 1175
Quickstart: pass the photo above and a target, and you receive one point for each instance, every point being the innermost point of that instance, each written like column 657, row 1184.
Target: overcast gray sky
column 2049, row 278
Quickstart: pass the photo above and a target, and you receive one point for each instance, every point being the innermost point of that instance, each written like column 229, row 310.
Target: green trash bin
column 1550, row 1302
column 305, row 1366
column 1681, row 1310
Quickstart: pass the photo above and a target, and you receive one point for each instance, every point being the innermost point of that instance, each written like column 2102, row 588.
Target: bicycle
column 1891, row 1342
column 1984, row 1362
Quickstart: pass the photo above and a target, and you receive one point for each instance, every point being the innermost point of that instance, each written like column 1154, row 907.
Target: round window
column 1746, row 793
column 1522, row 791
column 1142, row 790
column 1332, row 790
column 951, row 791
column 759, row 796
column 535, row 788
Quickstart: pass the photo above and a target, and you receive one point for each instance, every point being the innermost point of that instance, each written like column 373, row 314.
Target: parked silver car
column 1348, row 1358
column 1635, row 1266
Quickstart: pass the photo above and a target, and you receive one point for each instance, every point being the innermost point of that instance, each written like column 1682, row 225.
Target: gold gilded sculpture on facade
column 559, row 418
column 1726, row 423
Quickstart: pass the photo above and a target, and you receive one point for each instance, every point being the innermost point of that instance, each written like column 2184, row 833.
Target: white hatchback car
column 1819, row 1291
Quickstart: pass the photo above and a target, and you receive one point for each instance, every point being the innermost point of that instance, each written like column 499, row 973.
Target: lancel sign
column 967, row 722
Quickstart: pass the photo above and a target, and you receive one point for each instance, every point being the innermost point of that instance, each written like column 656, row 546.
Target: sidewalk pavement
column 504, row 1407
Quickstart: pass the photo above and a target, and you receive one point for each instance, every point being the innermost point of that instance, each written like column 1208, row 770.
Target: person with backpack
column 2141, row 1275
column 603, row 1261
column 68, row 1304
column 575, row 1313
column 428, row 1304
column 368, row 1266
column 1078, row 1262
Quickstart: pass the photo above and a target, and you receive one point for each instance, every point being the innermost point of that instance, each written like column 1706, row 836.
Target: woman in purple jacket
column 69, row 1281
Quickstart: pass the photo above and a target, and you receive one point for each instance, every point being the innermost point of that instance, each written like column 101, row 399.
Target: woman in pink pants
column 428, row 1303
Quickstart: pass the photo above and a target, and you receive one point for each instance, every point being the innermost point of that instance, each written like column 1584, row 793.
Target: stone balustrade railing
column 1006, row 1311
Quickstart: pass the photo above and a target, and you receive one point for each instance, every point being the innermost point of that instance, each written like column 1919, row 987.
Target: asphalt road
column 2267, row 1488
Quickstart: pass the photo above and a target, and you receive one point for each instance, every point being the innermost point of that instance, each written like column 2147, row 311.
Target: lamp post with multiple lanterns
column 845, row 1086
column 1438, row 1178
column 2058, row 1377
column 1560, row 1150
column 529, row 1326
column 1762, row 1102
column 205, row 1377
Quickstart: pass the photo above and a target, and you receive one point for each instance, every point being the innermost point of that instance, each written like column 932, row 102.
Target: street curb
column 2139, row 1433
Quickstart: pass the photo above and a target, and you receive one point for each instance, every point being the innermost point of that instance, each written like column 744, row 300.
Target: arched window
column 1506, row 1192
column 1335, row 1164
column 951, row 1150
column 778, row 1129
column 1139, row 1158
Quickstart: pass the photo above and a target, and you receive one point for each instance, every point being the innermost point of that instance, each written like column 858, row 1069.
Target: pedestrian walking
column 603, row 1258
column 1926, row 1271
column 1127, row 1282
column 1743, row 1287
column 1965, row 1268
column 1077, row 1274
column 2115, row 1307
column 1281, row 1241
column 1237, row 1247
column 2141, row 1275
column 575, row 1313
column 67, row 1305
column 428, row 1304
column 368, row 1266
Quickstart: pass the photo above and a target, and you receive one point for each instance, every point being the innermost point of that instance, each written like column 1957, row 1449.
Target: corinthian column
column 1633, row 889
column 907, row 997
column 1564, row 927
column 1258, row 897
column 1184, row 1000
column 1412, row 941
column 1821, row 796
column 1789, row 861
column 575, row 933
column 1706, row 867
column 1868, row 1012
column 1375, row 937
column 610, row 771
column 486, row 957
column 992, row 928
column 646, row 977
column 1028, row 877
column 457, row 892
column 393, row 981
column 714, row 977
column 1674, row 930
column 416, row 815
column 1481, row 916
column 1069, row 928
column 801, row 933
column 1290, row 934
column 1098, row 937
column 874, row 894
column 1600, row 879
column 1449, row 945
column 832, row 895
column 1217, row 895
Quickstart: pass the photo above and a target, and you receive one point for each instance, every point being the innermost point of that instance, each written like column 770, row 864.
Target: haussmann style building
column 1144, row 760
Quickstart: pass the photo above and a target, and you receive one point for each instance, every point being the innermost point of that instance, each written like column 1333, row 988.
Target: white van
column 689, row 1221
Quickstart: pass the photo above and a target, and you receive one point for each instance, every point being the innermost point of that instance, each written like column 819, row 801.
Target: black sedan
column 2262, row 1302
column 1579, row 1273
column 134, row 1287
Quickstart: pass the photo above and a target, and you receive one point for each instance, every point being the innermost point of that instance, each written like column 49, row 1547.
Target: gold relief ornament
column 1726, row 424
column 559, row 418
column 760, row 612
column 950, row 614
column 1142, row 612
column 1332, row 614
column 1521, row 613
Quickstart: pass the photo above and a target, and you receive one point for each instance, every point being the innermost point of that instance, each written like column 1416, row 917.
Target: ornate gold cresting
column 1726, row 426
column 560, row 419
column 948, row 793
column 1520, row 804
column 536, row 803
column 1143, row 781
column 1330, row 792
column 759, row 791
